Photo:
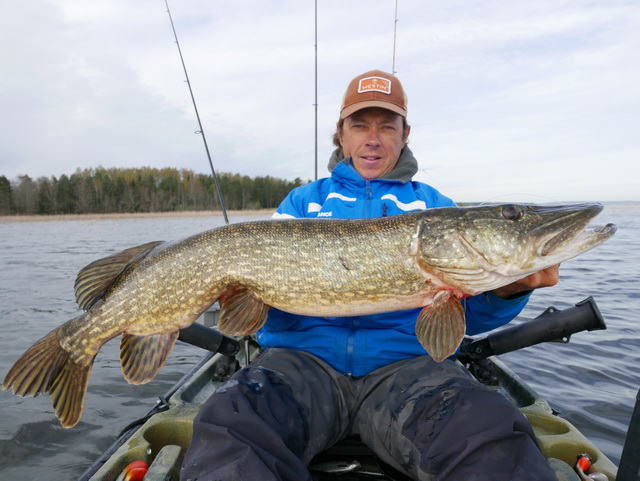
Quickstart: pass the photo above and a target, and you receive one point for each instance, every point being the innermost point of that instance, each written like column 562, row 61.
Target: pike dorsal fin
column 441, row 326
column 141, row 357
column 94, row 280
column 241, row 312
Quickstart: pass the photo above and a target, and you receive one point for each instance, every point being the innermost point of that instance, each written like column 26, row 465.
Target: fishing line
column 201, row 131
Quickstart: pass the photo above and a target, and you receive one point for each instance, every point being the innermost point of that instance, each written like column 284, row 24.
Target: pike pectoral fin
column 440, row 327
column 47, row 367
column 94, row 280
column 142, row 357
column 241, row 312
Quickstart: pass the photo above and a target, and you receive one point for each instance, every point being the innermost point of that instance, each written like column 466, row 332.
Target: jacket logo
column 325, row 214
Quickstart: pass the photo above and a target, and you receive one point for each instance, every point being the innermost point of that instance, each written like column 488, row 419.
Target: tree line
column 115, row 190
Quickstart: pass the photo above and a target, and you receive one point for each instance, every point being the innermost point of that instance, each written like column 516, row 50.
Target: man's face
column 373, row 138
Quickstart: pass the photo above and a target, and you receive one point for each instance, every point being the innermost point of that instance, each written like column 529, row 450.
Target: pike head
column 478, row 249
column 467, row 251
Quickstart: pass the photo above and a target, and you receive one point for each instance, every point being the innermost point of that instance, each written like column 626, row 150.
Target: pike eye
column 511, row 212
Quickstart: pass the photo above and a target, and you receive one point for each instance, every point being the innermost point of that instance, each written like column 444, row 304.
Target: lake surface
column 592, row 381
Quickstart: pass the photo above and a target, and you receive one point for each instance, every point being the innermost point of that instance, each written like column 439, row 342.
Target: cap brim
column 351, row 109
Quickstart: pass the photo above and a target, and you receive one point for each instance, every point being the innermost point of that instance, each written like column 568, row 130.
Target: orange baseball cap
column 374, row 89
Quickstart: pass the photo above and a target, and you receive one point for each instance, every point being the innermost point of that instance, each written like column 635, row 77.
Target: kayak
column 160, row 439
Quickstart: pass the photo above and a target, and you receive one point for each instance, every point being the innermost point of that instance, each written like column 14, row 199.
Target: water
column 593, row 380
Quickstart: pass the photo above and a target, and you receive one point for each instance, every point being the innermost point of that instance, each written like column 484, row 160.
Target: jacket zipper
column 369, row 195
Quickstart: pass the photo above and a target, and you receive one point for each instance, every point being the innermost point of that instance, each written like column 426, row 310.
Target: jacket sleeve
column 487, row 311
column 431, row 196
column 301, row 202
column 288, row 209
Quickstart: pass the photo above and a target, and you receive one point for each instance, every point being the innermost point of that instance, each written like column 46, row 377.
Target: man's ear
column 406, row 137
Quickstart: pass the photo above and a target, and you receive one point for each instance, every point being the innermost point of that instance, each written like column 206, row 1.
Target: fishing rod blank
column 201, row 131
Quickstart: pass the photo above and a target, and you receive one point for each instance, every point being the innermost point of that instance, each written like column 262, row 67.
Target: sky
column 508, row 100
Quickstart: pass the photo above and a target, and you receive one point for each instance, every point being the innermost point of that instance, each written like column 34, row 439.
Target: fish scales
column 328, row 262
column 317, row 267
column 170, row 289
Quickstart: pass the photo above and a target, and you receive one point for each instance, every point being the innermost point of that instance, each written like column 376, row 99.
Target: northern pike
column 316, row 267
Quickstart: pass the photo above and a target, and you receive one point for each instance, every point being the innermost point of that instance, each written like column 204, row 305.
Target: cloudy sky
column 508, row 100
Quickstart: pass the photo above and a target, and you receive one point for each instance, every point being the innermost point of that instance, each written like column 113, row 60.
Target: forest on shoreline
column 137, row 190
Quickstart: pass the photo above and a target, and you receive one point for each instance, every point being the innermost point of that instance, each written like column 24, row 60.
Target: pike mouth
column 577, row 235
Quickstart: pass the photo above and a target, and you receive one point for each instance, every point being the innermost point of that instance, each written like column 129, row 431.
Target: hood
column 404, row 170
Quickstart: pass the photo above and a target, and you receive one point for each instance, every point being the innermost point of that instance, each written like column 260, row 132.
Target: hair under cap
column 374, row 89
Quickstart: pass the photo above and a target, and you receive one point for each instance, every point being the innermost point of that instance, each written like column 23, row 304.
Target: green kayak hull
column 162, row 438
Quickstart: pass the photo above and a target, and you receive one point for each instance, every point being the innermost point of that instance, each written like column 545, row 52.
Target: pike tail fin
column 47, row 367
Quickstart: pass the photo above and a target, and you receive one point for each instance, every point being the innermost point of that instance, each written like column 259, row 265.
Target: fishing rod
column 315, row 104
column 201, row 131
column 395, row 28
column 194, row 331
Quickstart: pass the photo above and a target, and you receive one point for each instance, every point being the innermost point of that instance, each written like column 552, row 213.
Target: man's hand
column 545, row 278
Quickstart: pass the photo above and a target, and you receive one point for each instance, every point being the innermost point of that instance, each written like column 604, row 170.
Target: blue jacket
column 359, row 345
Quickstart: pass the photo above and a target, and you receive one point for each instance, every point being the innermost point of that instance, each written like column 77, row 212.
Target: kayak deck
column 162, row 439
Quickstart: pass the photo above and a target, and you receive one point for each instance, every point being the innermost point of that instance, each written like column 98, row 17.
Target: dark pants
column 430, row 421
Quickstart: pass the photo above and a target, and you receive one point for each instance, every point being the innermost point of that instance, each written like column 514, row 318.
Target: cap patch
column 375, row 84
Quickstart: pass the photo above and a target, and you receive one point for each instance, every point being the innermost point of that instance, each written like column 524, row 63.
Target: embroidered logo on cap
column 375, row 84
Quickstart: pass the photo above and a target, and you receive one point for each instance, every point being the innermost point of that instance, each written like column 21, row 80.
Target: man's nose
column 373, row 138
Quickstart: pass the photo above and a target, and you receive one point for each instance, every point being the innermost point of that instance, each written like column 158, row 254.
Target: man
column 321, row 379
